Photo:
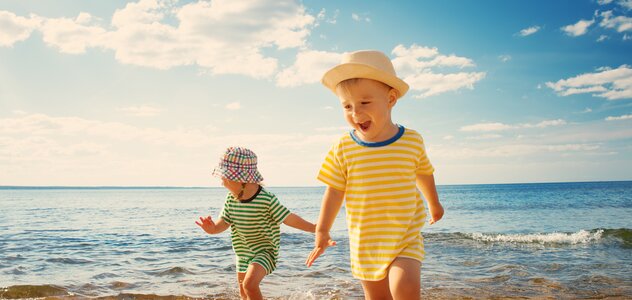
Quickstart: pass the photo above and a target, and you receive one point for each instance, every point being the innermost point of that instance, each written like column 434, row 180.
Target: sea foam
column 580, row 237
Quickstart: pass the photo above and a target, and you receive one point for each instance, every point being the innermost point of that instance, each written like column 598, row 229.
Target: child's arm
column 332, row 200
column 212, row 227
column 297, row 222
column 427, row 186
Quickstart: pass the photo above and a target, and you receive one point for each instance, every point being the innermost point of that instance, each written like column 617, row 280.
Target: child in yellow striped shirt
column 376, row 168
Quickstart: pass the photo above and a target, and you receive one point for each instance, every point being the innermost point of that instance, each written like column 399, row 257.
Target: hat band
column 236, row 164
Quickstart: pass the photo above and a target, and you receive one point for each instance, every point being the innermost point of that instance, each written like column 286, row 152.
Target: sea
column 495, row 241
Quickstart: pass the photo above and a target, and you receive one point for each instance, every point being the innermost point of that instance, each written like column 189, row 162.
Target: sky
column 151, row 92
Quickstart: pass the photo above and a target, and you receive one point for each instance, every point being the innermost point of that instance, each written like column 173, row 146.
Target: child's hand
column 321, row 242
column 207, row 224
column 436, row 213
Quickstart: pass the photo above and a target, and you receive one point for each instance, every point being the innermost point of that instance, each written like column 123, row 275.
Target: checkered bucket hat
column 238, row 164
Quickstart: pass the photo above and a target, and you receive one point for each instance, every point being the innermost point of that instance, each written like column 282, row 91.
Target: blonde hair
column 344, row 86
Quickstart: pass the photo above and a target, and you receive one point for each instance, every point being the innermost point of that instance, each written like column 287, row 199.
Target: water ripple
column 105, row 275
column 173, row 271
column 70, row 261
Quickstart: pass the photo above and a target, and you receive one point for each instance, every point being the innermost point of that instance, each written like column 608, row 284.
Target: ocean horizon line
column 140, row 187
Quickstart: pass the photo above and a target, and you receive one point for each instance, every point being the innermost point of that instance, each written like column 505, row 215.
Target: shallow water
column 566, row 240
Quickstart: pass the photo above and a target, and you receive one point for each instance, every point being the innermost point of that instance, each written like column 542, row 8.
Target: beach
column 548, row 240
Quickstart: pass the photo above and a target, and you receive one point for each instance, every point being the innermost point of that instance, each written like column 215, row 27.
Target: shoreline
column 537, row 289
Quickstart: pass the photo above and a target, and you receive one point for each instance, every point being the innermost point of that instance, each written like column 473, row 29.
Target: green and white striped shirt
column 255, row 223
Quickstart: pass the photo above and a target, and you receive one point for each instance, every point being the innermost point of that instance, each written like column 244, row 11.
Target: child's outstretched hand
column 207, row 224
column 322, row 240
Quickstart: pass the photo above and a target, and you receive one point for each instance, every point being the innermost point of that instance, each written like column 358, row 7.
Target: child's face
column 367, row 108
column 231, row 185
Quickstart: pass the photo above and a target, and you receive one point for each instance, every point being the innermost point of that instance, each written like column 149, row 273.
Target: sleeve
column 332, row 172
column 226, row 213
column 423, row 167
column 278, row 212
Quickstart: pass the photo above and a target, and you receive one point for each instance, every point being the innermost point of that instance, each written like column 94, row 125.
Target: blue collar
column 393, row 139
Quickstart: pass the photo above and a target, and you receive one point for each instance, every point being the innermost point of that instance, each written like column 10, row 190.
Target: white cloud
column 579, row 28
column 415, row 51
column 222, row 36
column 611, row 84
column 620, row 23
column 496, row 126
column 626, row 37
column 15, row 28
column 486, row 127
column 448, row 137
column 430, row 84
column 504, row 58
column 75, row 130
column 420, row 58
column 141, row 111
column 510, row 150
column 551, row 144
column 334, row 19
column 419, row 67
column 529, row 31
column 592, row 89
column 627, row 4
column 141, row 12
column 233, row 106
column 32, row 148
column 50, row 150
column 619, row 118
column 602, row 38
column 308, row 68
column 546, row 123
column 43, row 126
column 451, row 61
column 485, row 137
column 360, row 17
column 322, row 16
column 604, row 2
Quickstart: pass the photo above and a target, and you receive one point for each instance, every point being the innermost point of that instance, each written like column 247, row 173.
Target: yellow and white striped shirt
column 385, row 210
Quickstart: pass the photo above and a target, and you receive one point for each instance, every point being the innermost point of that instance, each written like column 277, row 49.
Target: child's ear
column 393, row 95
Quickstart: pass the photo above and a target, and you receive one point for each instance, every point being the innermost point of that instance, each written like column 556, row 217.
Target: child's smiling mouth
column 364, row 126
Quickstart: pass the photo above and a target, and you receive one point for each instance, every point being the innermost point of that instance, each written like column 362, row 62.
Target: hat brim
column 345, row 71
column 239, row 176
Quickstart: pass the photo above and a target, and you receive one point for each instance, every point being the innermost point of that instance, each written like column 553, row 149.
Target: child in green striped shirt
column 254, row 216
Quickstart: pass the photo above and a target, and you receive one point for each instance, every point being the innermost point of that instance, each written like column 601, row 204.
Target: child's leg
column 240, row 280
column 376, row 290
column 404, row 278
column 251, row 281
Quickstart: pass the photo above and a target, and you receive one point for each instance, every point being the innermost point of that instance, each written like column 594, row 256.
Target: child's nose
column 355, row 111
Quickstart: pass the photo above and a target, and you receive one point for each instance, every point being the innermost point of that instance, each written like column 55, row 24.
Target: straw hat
column 238, row 164
column 369, row 64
